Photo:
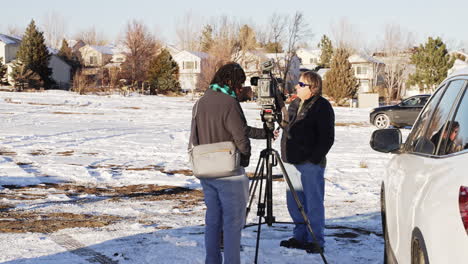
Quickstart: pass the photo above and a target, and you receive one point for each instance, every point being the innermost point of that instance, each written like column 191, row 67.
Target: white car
column 425, row 188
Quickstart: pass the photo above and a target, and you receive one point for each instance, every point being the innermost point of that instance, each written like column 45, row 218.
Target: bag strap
column 194, row 138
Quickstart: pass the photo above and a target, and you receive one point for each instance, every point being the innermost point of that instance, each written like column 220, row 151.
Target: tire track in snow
column 75, row 247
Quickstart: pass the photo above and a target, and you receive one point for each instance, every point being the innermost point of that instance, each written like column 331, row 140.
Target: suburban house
column 96, row 56
column 368, row 71
column 172, row 49
column 8, row 48
column 190, row 64
column 310, row 58
column 461, row 61
column 251, row 61
column 61, row 71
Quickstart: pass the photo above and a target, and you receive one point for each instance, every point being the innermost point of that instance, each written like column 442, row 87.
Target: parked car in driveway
column 424, row 194
column 399, row 115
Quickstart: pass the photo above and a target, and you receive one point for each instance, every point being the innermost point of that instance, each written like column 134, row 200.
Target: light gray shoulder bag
column 215, row 160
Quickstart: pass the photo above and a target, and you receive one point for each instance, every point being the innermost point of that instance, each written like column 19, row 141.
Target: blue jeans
column 309, row 184
column 226, row 201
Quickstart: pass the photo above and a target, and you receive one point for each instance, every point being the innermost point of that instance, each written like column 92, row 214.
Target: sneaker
column 313, row 248
column 292, row 243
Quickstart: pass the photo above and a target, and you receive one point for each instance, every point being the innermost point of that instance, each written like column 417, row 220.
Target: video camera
column 269, row 96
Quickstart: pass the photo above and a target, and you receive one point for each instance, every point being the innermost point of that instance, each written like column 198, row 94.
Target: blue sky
column 424, row 18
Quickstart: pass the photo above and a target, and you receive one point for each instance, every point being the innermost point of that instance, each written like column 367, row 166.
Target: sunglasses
column 301, row 84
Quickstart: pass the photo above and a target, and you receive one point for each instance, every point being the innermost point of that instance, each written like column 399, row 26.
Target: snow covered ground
column 93, row 165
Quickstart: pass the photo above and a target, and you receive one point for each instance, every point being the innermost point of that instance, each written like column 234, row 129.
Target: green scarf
column 225, row 89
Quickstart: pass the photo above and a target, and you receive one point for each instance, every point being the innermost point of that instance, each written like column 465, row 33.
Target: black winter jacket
column 309, row 134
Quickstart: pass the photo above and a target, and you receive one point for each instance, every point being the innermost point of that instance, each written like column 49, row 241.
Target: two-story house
column 368, row 72
column 9, row 46
column 190, row 66
column 310, row 58
column 96, row 56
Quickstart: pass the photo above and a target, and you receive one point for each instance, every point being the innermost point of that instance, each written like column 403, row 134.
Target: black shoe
column 313, row 248
column 292, row 243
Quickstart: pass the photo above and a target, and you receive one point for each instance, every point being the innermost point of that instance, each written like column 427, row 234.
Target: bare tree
column 345, row 36
column 54, row 27
column 92, row 37
column 289, row 31
column 188, row 31
column 225, row 48
column 142, row 46
column 14, row 30
column 395, row 46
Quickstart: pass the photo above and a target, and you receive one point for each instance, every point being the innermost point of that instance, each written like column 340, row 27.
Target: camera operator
column 306, row 140
column 220, row 118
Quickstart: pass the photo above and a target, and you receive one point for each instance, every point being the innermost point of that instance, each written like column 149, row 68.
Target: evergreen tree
column 432, row 63
column 206, row 39
column 327, row 51
column 339, row 82
column 66, row 53
column 3, row 70
column 163, row 74
column 24, row 77
column 33, row 54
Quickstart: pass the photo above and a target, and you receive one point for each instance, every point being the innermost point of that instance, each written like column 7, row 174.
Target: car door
column 408, row 111
column 408, row 171
column 438, row 214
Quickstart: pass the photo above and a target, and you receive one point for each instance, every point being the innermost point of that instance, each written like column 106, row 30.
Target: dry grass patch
column 149, row 192
column 10, row 101
column 39, row 152
column 73, row 113
column 22, row 222
column 66, row 153
column 23, row 163
column 131, row 107
column 7, row 153
column 44, row 104
column 23, row 196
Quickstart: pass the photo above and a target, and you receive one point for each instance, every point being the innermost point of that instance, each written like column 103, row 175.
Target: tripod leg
column 298, row 202
column 270, row 219
column 258, row 176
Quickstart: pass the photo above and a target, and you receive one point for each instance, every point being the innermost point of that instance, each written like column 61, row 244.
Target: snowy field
column 105, row 179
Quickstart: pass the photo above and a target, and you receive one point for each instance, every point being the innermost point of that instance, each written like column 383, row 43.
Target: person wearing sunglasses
column 305, row 142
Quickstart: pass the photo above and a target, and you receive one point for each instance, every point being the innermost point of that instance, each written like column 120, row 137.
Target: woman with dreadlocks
column 219, row 117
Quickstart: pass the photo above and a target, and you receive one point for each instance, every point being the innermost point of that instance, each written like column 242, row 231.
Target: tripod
column 270, row 158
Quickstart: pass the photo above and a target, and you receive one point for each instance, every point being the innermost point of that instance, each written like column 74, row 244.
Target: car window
column 418, row 127
column 423, row 100
column 411, row 101
column 456, row 131
column 430, row 139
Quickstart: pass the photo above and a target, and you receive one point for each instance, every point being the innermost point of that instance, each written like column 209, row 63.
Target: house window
column 189, row 65
column 93, row 60
column 361, row 70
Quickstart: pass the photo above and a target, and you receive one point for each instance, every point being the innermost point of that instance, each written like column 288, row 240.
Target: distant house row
column 368, row 70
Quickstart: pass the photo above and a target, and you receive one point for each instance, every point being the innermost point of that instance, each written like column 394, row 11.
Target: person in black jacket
column 220, row 118
column 307, row 138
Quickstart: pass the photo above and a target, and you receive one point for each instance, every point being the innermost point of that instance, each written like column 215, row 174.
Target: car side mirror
column 386, row 140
